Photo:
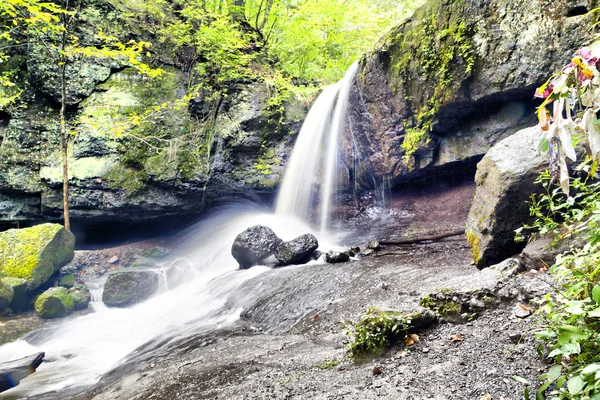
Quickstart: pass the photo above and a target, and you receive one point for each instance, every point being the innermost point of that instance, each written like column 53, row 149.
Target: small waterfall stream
column 81, row 348
column 322, row 128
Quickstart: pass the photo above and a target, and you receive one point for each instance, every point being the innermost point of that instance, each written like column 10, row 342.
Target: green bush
column 571, row 327
column 375, row 331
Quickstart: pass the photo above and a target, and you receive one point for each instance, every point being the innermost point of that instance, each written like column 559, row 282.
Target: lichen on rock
column 35, row 253
column 54, row 303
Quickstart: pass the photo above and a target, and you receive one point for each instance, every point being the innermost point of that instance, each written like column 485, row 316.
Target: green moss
column 6, row 295
column 35, row 253
column 127, row 178
column 441, row 307
column 54, row 303
column 329, row 364
column 377, row 330
column 67, row 281
column 429, row 59
column 473, row 240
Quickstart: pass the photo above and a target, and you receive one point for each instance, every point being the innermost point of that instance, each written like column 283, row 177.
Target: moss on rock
column 6, row 295
column 81, row 296
column 67, row 281
column 19, row 286
column 35, row 253
column 54, row 303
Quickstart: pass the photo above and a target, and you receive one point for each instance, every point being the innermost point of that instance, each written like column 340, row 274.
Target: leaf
column 590, row 369
column 575, row 385
column 570, row 333
column 519, row 379
column 543, row 145
column 596, row 294
column 456, row 338
column 411, row 340
column 566, row 131
column 553, row 373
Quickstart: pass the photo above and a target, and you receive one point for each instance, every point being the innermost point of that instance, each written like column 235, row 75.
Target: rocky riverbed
column 289, row 342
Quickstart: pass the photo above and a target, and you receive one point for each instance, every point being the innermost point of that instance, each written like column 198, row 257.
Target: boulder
column 505, row 181
column 6, row 295
column 254, row 245
column 542, row 251
column 55, row 302
column 35, row 253
column 125, row 288
column 67, row 281
column 334, row 257
column 81, row 297
column 374, row 245
column 20, row 301
column 12, row 372
column 297, row 251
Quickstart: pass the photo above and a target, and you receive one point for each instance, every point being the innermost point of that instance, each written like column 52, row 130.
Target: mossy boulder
column 55, row 302
column 125, row 288
column 20, row 299
column 6, row 295
column 81, row 297
column 35, row 253
column 67, row 281
column 505, row 181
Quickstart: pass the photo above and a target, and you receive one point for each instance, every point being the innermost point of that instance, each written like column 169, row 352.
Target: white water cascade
column 81, row 348
column 322, row 127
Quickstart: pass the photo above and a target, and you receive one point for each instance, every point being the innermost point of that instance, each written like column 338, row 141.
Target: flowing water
column 81, row 348
column 323, row 129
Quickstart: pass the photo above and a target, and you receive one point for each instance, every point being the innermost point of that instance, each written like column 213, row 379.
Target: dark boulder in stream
column 297, row 251
column 12, row 372
column 125, row 288
column 334, row 257
column 254, row 245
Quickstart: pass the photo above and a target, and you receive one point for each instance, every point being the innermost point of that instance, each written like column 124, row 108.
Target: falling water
column 81, row 348
column 331, row 160
column 296, row 193
column 324, row 122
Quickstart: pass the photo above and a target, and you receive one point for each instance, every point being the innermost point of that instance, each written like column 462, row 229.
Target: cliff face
column 173, row 163
column 465, row 70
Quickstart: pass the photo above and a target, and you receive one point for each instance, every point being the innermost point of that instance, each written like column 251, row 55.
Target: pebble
column 521, row 311
column 425, row 349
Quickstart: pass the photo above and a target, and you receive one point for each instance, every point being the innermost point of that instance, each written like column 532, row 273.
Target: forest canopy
column 308, row 42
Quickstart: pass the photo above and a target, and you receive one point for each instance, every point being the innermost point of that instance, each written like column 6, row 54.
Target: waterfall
column 322, row 128
column 83, row 347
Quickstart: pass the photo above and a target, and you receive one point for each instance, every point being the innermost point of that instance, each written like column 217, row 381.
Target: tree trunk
column 266, row 15
column 64, row 141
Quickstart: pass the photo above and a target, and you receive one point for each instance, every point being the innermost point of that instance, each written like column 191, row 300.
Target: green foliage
column 329, row 364
column 441, row 307
column 572, row 313
column 563, row 216
column 440, row 49
column 375, row 331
